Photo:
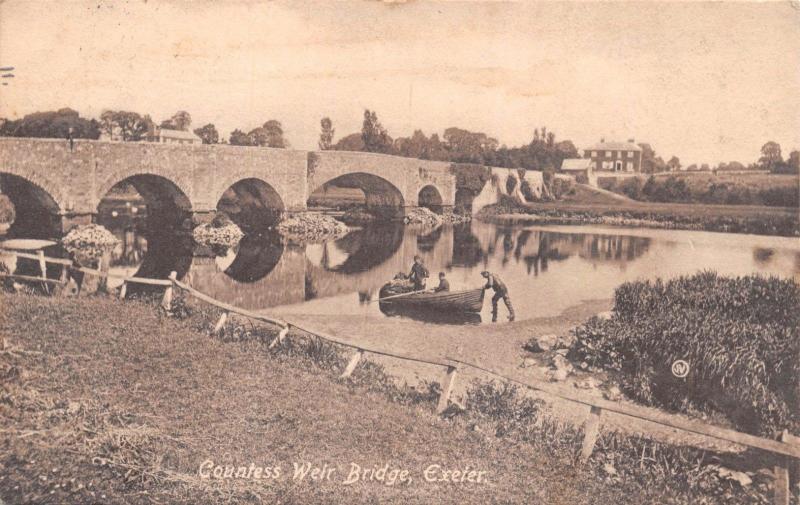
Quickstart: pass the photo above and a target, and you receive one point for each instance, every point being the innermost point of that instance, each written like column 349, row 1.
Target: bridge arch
column 251, row 203
column 36, row 209
column 430, row 197
column 382, row 196
column 168, row 205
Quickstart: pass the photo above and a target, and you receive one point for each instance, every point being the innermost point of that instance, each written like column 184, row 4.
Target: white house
column 167, row 136
column 582, row 169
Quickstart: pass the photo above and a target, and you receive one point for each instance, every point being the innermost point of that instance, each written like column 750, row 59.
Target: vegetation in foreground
column 740, row 336
column 729, row 219
column 112, row 401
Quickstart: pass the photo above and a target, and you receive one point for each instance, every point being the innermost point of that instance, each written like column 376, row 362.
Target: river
column 547, row 268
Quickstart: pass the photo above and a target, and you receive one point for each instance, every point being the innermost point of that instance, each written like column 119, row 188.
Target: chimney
column 632, row 141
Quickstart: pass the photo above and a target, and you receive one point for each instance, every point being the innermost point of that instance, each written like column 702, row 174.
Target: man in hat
column 418, row 274
column 500, row 291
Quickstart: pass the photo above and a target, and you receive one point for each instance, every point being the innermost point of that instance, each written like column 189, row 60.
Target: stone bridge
column 46, row 179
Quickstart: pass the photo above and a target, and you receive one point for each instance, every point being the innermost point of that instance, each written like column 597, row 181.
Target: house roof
column 576, row 164
column 177, row 134
column 614, row 146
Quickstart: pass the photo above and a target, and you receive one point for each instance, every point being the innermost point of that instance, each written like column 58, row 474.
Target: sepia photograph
column 411, row 252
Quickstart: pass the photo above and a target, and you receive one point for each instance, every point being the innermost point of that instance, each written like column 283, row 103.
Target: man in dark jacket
column 418, row 274
column 500, row 291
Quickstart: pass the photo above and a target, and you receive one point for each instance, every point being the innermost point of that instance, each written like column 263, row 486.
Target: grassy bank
column 756, row 220
column 114, row 402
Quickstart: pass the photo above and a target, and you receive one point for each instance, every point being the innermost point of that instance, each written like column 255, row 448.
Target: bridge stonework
column 78, row 178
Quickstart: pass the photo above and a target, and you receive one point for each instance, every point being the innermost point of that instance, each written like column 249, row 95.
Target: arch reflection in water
column 360, row 250
column 255, row 257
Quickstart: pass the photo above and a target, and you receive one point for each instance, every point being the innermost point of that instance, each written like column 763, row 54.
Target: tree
column 270, row 134
column 674, row 164
column 239, row 138
column 770, row 155
column 208, row 134
column 181, row 120
column 126, row 125
column 51, row 124
column 651, row 163
column 376, row 138
column 326, row 135
column 469, row 147
column 352, row 142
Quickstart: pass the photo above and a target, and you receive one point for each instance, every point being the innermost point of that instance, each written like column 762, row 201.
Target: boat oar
column 398, row 296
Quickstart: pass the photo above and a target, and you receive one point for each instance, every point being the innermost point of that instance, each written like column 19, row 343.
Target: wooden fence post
column 123, row 290
column 166, row 302
column 444, row 397
column 42, row 263
column 221, row 323
column 782, row 494
column 591, row 430
column 351, row 365
column 280, row 337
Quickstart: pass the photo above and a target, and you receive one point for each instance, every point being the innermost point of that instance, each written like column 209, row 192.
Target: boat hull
column 449, row 301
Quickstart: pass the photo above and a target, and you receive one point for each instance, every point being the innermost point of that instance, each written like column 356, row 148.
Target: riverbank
column 112, row 401
column 758, row 220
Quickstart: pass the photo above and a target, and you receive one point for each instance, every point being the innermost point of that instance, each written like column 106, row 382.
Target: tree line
column 543, row 152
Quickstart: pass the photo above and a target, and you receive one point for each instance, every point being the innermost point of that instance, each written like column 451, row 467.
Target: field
column 722, row 188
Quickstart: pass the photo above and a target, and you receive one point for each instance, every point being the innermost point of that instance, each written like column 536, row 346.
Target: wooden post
column 42, row 263
column 351, row 365
column 43, row 268
column 123, row 290
column 591, row 429
column 444, row 398
column 782, row 491
column 280, row 337
column 166, row 302
column 221, row 323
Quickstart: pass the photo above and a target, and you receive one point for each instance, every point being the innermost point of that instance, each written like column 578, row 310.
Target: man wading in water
column 418, row 274
column 500, row 291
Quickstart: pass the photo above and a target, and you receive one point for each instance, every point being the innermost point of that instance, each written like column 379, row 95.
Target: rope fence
column 787, row 447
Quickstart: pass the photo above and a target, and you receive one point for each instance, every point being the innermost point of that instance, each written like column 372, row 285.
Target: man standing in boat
column 418, row 274
column 500, row 291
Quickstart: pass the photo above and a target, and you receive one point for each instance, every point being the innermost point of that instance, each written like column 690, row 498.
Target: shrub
column 739, row 335
column 527, row 191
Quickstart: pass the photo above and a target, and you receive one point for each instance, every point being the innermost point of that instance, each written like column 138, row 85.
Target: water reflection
column 547, row 270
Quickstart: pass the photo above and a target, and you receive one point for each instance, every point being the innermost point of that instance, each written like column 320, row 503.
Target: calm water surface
column 547, row 269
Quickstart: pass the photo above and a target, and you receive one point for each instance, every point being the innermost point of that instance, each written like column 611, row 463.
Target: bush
column 7, row 213
column 740, row 336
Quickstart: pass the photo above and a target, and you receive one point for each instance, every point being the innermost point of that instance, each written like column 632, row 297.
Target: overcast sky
column 708, row 82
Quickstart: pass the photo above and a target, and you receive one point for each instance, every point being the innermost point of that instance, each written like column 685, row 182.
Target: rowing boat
column 450, row 301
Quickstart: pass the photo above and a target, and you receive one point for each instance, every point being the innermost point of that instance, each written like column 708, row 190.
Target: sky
column 707, row 82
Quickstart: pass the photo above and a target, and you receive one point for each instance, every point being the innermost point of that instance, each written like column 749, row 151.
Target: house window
column 594, row 154
column 629, row 166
